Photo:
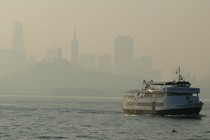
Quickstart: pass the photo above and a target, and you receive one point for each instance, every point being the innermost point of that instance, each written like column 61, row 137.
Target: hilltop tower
column 123, row 54
column 74, row 49
column 18, row 43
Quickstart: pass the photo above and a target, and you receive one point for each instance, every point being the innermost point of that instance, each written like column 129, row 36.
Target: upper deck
column 172, row 84
column 179, row 87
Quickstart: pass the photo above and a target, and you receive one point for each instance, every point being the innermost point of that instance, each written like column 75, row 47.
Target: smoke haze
column 172, row 33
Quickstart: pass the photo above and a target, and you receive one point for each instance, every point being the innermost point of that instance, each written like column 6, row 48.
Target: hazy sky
column 173, row 32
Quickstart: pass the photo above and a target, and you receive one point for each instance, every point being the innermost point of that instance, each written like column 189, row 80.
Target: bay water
column 25, row 117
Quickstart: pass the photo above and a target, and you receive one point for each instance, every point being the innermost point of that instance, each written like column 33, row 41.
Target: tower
column 123, row 54
column 74, row 49
column 18, row 43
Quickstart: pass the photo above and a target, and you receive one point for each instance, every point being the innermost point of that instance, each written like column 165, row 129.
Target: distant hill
column 61, row 77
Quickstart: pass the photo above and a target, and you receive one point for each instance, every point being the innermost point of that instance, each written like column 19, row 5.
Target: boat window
column 140, row 94
column 159, row 104
column 143, row 104
column 129, row 103
column 195, row 94
column 157, row 95
column 187, row 85
column 178, row 94
column 149, row 104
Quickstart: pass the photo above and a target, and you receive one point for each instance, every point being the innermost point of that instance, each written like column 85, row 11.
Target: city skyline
column 79, row 69
column 54, row 73
column 14, row 60
column 123, row 58
column 174, row 33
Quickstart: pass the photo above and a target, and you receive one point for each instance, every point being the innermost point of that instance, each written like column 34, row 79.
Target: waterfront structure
column 104, row 63
column 18, row 42
column 88, row 62
column 74, row 49
column 123, row 54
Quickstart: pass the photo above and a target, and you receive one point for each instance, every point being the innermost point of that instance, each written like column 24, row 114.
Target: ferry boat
column 163, row 98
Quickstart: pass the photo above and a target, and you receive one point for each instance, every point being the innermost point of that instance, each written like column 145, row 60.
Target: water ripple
column 86, row 118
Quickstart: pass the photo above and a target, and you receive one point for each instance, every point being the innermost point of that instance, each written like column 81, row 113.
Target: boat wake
column 194, row 116
column 129, row 115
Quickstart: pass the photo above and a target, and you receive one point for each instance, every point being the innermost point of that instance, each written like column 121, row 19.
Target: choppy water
column 45, row 117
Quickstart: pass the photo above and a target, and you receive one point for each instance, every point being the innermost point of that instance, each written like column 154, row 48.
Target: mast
column 179, row 76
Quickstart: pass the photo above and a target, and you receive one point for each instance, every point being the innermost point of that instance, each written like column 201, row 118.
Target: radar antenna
column 146, row 84
column 180, row 78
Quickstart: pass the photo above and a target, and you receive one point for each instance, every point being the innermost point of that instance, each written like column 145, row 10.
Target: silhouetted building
column 143, row 67
column 104, row 63
column 146, row 69
column 18, row 42
column 136, row 68
column 14, row 60
column 53, row 55
column 32, row 60
column 123, row 54
column 188, row 76
column 146, row 63
column 88, row 62
column 6, row 62
column 74, row 49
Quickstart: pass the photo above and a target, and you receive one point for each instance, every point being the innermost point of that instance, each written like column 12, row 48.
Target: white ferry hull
column 192, row 109
column 163, row 98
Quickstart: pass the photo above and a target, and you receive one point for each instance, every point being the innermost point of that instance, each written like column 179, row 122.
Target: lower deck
column 180, row 111
column 162, row 105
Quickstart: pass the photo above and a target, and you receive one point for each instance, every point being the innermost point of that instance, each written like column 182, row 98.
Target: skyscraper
column 74, row 49
column 88, row 62
column 53, row 55
column 18, row 43
column 123, row 54
column 104, row 63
